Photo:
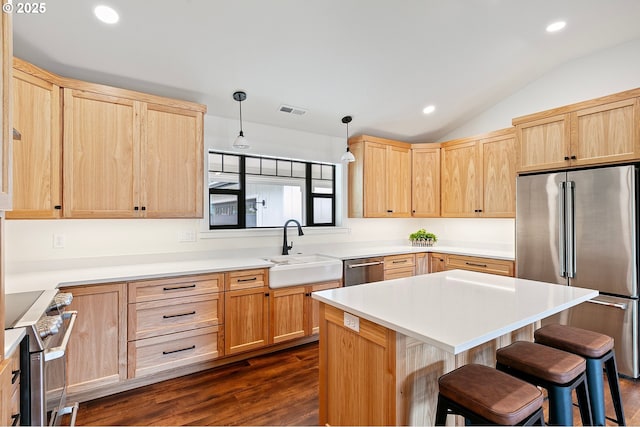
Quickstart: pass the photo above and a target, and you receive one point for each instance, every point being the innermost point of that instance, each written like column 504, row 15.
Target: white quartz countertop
column 364, row 251
column 12, row 338
column 69, row 272
column 455, row 310
column 51, row 279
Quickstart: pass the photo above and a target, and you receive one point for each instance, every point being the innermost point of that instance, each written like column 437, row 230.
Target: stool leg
column 441, row 412
column 614, row 386
column 560, row 406
column 584, row 403
column 596, row 390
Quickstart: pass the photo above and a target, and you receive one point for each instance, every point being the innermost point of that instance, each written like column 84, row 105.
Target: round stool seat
column 549, row 364
column 574, row 340
column 494, row 395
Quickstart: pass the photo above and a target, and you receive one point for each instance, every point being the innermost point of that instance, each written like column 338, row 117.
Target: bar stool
column 598, row 351
column 484, row 395
column 555, row 370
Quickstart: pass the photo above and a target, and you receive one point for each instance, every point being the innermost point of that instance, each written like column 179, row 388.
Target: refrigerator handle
column 561, row 230
column 570, row 227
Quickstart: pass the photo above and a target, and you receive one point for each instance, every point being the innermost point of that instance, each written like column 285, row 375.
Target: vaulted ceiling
column 381, row 61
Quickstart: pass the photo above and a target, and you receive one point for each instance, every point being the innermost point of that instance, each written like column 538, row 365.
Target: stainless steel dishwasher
column 363, row 270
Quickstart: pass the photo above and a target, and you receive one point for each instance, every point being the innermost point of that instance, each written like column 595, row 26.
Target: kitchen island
column 383, row 345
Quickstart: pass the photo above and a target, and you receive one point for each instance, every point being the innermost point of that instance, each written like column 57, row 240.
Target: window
column 252, row 192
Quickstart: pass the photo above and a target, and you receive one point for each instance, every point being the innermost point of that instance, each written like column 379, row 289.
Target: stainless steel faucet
column 285, row 247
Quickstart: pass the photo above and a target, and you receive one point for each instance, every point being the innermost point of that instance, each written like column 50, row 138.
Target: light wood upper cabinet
column 498, row 160
column 6, row 125
column 461, row 179
column 425, row 184
column 598, row 131
column 37, row 179
column 172, row 162
column 478, row 176
column 101, row 155
column 380, row 178
column 606, row 133
column 125, row 158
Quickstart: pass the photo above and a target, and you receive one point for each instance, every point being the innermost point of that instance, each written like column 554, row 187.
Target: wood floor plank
column 275, row 389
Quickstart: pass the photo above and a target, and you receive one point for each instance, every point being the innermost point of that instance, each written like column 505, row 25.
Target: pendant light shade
column 240, row 142
column 347, row 157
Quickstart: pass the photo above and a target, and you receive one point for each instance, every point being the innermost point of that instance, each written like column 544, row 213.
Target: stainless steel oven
column 49, row 327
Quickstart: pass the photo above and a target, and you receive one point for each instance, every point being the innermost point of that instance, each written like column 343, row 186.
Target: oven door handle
column 58, row 352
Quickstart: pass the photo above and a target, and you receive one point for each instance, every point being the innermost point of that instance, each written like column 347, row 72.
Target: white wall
column 606, row 72
column 600, row 74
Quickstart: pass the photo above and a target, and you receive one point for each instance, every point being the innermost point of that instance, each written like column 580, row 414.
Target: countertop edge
column 12, row 339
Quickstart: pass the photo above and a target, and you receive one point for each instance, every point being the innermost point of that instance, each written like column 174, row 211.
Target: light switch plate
column 352, row 322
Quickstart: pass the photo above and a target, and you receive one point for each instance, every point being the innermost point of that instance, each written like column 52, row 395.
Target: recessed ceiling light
column 429, row 109
column 556, row 26
column 106, row 14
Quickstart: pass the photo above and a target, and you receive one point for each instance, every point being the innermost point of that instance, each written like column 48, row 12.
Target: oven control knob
column 48, row 325
column 61, row 299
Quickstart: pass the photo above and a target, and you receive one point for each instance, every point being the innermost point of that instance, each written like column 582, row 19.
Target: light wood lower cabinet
column 97, row 350
column 174, row 322
column 398, row 266
column 437, row 262
column 10, row 389
column 293, row 313
column 246, row 311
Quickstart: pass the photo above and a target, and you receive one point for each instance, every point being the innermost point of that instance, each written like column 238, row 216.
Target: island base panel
column 377, row 376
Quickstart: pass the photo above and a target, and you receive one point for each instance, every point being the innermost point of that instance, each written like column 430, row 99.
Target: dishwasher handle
column 365, row 264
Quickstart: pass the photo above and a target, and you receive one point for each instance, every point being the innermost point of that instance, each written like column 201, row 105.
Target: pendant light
column 240, row 142
column 347, row 157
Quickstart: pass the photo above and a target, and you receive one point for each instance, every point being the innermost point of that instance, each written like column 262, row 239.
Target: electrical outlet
column 59, row 241
column 352, row 322
column 187, row 236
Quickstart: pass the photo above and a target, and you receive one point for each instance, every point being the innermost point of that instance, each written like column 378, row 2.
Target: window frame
column 310, row 196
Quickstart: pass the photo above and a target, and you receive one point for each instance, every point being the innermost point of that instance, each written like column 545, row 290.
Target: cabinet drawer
column 483, row 265
column 152, row 355
column 175, row 287
column 150, row 319
column 397, row 273
column 246, row 279
column 399, row 261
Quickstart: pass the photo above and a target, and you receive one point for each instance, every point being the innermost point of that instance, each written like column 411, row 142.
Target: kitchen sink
column 292, row 270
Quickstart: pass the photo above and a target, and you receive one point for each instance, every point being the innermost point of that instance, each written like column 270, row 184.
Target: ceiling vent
column 292, row 110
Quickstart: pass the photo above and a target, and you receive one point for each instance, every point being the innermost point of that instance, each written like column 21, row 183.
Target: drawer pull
column 473, row 264
column 15, row 418
column 179, row 287
column 402, row 261
column 252, row 279
column 15, row 375
column 179, row 350
column 178, row 315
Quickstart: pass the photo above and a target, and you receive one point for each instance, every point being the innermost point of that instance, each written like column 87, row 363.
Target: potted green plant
column 422, row 238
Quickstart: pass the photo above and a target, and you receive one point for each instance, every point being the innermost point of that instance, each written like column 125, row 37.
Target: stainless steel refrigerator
column 580, row 228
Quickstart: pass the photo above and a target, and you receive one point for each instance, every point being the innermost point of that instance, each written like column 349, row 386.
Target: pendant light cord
column 240, row 118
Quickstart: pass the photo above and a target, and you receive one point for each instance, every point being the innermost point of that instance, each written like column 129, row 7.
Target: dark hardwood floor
column 275, row 389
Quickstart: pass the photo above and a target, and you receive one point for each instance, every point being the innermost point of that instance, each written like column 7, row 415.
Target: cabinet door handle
column 566, row 157
column 179, row 350
column 473, row 264
column 400, row 261
column 169, row 316
column 573, row 157
column 266, row 294
column 15, row 375
column 144, row 208
column 15, row 418
column 57, row 207
column 389, row 211
column 179, row 287
column 252, row 279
